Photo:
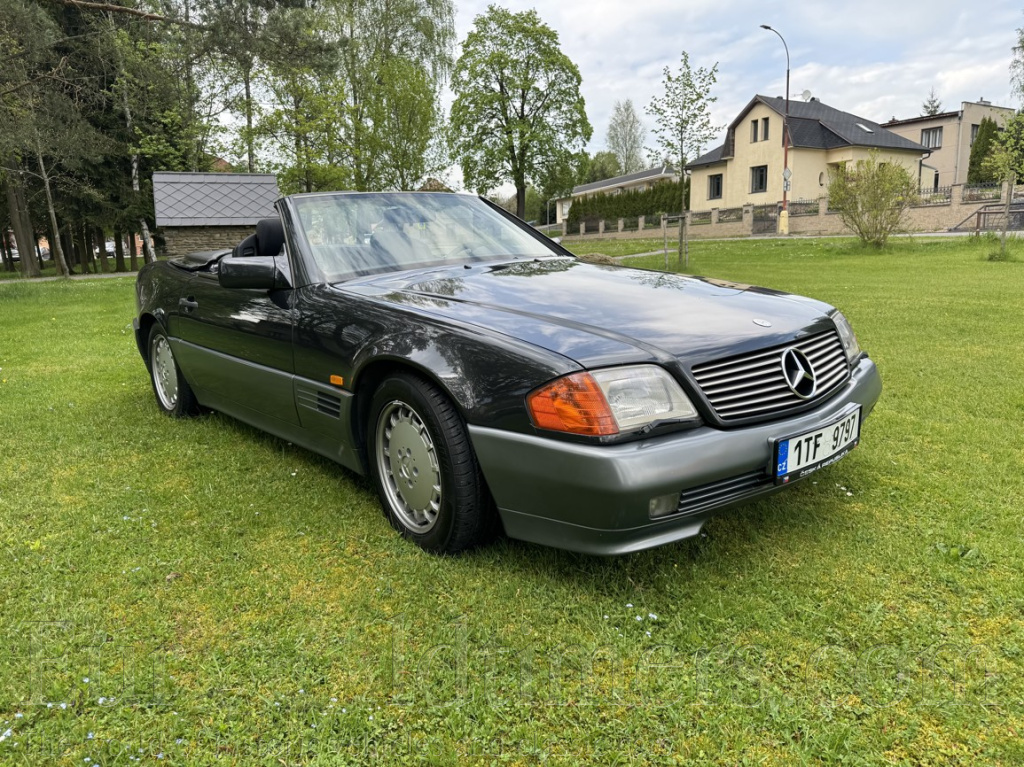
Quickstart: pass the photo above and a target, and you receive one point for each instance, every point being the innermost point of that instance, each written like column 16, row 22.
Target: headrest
column 269, row 237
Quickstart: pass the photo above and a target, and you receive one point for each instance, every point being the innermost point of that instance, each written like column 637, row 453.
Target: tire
column 424, row 469
column 173, row 394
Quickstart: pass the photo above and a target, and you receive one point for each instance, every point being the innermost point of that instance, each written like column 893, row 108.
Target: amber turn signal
column 337, row 380
column 573, row 404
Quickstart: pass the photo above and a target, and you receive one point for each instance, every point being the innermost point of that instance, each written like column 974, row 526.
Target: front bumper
column 595, row 498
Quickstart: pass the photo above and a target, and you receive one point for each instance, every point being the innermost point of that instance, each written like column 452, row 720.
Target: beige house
column 639, row 181
column 948, row 136
column 748, row 167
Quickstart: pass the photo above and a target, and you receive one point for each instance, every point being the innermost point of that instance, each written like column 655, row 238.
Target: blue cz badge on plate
column 783, row 466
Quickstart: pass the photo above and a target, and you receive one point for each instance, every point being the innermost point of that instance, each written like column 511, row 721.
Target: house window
column 759, row 179
column 753, row 131
column 764, row 128
column 931, row 137
column 715, row 187
column 974, row 133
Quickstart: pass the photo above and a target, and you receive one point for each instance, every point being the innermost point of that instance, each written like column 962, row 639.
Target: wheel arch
column 145, row 327
column 369, row 378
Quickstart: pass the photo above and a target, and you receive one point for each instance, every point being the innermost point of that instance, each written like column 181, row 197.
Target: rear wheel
column 173, row 394
column 424, row 468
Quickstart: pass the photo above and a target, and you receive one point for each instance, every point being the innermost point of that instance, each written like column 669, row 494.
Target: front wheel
column 424, row 468
column 173, row 394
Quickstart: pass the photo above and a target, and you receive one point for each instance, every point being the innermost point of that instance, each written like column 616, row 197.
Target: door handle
column 188, row 304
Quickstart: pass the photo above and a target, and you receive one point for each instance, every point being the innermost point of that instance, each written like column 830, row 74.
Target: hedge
column 663, row 198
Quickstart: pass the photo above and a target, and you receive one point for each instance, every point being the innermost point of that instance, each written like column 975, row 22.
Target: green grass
column 234, row 600
column 49, row 270
column 610, row 247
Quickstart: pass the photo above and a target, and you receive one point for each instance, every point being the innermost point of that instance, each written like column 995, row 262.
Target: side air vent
column 322, row 402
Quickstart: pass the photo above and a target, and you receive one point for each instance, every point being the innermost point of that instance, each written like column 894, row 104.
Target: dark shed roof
column 657, row 172
column 213, row 199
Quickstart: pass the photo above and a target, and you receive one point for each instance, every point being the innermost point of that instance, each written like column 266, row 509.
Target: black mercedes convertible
column 486, row 379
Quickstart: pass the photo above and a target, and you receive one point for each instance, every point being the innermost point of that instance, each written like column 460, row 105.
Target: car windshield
column 355, row 234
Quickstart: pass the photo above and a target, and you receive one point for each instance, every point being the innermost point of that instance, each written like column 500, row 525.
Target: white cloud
column 875, row 58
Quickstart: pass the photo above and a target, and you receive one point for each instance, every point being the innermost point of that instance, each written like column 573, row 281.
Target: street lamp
column 784, row 216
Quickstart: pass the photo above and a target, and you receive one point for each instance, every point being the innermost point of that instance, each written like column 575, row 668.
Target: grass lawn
column 193, row 592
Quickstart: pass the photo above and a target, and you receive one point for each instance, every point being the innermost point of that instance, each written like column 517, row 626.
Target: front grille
column 723, row 491
column 753, row 385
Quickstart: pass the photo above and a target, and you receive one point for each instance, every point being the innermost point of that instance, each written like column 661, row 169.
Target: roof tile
column 213, row 199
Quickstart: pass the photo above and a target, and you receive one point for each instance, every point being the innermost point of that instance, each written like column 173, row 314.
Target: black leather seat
column 268, row 240
column 246, row 247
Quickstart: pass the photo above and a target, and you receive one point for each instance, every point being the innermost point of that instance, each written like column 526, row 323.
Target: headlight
column 609, row 401
column 847, row 336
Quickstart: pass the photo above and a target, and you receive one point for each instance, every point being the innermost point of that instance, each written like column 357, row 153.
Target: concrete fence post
column 956, row 195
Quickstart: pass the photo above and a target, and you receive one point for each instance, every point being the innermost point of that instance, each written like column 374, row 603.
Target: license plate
column 803, row 454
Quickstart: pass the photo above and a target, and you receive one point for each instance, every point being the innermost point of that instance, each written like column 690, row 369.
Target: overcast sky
column 877, row 59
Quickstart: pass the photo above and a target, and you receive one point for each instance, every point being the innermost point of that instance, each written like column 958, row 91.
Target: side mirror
column 251, row 273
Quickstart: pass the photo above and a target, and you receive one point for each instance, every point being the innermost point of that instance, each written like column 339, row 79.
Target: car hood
column 601, row 315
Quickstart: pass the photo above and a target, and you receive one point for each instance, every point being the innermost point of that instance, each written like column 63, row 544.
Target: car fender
column 487, row 376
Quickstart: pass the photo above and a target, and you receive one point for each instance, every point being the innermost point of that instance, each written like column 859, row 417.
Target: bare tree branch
column 53, row 74
column 85, row 5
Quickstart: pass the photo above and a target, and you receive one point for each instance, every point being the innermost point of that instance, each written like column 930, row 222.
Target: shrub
column 871, row 197
column 663, row 198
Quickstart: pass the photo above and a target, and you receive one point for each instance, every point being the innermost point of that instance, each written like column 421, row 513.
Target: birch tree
column 682, row 120
column 626, row 137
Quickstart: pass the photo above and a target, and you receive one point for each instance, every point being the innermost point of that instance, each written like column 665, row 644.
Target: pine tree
column 977, row 171
column 932, row 106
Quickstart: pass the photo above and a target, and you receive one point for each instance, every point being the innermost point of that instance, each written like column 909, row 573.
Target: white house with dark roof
column 949, row 136
column 631, row 182
column 748, row 167
column 207, row 211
